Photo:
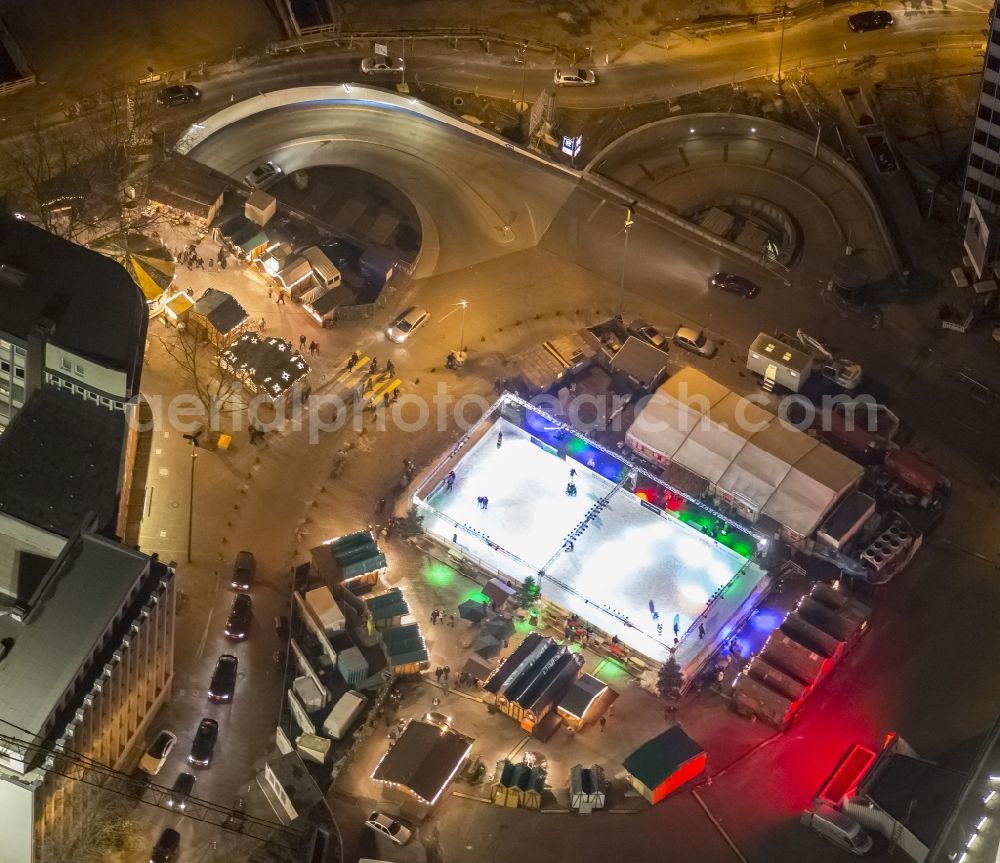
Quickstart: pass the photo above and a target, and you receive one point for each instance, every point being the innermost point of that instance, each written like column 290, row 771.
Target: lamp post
column 524, row 68
column 781, row 47
column 194, row 445
column 629, row 221
column 461, row 342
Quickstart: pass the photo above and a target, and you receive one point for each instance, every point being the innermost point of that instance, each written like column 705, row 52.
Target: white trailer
column 324, row 609
column 343, row 714
column 779, row 363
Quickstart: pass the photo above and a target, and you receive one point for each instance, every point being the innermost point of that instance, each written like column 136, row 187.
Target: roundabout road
column 476, row 199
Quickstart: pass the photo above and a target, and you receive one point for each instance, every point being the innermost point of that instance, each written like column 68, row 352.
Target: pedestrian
column 210, row 263
column 262, row 325
column 604, row 721
column 313, row 348
column 451, row 620
column 302, row 343
column 270, row 293
column 385, row 400
column 434, row 617
column 701, row 631
column 373, row 367
column 353, row 361
column 447, row 671
column 437, row 673
column 449, row 481
column 281, row 294
column 677, row 624
column 486, row 503
column 499, row 439
column 395, row 395
column 390, row 368
column 201, row 263
column 572, row 472
column 380, row 505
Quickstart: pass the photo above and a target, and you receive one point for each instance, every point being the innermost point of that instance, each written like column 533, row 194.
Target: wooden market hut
column 580, row 704
column 662, row 765
column 518, row 785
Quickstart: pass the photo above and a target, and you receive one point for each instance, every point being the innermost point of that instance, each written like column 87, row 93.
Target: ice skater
column 571, row 489
column 479, row 502
column 486, row 503
column 499, row 439
column 572, row 472
column 677, row 624
column 659, row 629
column 449, row 481
column 701, row 631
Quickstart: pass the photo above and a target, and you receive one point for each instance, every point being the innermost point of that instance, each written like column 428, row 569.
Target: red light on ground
column 643, row 494
column 675, row 503
column 848, row 773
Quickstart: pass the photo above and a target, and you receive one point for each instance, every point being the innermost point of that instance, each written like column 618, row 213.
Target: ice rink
column 633, row 570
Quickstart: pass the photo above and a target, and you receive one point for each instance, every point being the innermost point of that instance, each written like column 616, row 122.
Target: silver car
column 380, row 64
column 406, row 324
column 575, row 78
column 694, row 340
column 263, row 175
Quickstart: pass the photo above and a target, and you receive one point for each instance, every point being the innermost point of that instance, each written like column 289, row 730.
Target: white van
column 326, row 273
column 343, row 714
column 839, row 829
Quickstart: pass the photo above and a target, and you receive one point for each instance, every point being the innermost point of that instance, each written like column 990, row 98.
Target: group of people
column 484, row 502
column 313, row 346
column 447, row 620
column 191, row 259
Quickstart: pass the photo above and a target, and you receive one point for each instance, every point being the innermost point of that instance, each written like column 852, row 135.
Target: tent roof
column 424, row 759
column 829, row 468
column 695, row 389
column 663, row 423
column 658, row 759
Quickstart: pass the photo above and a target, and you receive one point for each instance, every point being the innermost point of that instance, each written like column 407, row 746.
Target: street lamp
column 781, row 47
column 524, row 69
column 194, row 445
column 629, row 221
column 461, row 342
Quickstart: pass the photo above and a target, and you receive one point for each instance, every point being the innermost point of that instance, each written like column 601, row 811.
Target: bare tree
column 198, row 360
column 108, row 828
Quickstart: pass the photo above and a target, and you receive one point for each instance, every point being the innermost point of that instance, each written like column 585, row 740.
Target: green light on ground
column 438, row 574
column 610, row 671
column 478, row 596
column 522, row 627
column 576, row 446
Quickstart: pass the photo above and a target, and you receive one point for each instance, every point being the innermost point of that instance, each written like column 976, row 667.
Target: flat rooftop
column 97, row 310
column 59, row 460
column 68, row 616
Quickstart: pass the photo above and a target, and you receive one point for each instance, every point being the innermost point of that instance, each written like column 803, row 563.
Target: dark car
column 734, row 284
column 223, row 678
column 204, row 743
column 181, row 791
column 240, row 614
column 243, row 570
column 177, row 94
column 167, row 847
column 874, row 19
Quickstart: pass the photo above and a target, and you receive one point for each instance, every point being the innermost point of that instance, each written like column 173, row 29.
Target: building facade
column 982, row 172
column 88, row 664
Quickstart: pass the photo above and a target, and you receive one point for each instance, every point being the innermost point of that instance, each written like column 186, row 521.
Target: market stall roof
column 640, row 361
column 392, row 603
column 424, row 760
column 188, row 186
column 582, row 694
column 658, row 759
column 178, row 304
column 272, row 365
column 221, row 310
column 520, row 776
column 405, row 645
column 536, row 674
column 145, row 259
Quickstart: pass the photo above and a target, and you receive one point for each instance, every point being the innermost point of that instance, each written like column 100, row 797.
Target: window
column 989, row 88
column 18, row 395
column 18, row 352
column 985, row 113
column 4, row 367
column 993, row 62
column 980, row 137
column 19, row 374
column 67, row 366
column 79, row 370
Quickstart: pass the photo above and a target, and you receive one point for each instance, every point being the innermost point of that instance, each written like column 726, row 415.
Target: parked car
column 244, row 569
column 406, row 324
column 156, row 755
column 648, row 333
column 167, row 847
column 240, row 616
column 264, row 175
column 575, row 78
column 378, row 64
column 734, row 284
column 694, row 340
column 181, row 791
column 873, row 19
column 395, row 829
column 203, row 744
column 177, row 94
column 223, row 682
